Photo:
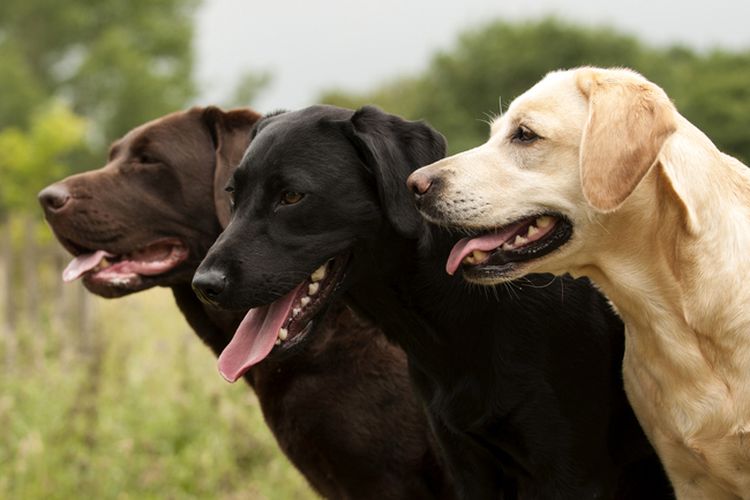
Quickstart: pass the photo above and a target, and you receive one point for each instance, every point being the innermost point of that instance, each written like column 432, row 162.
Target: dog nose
column 53, row 198
column 209, row 285
column 419, row 183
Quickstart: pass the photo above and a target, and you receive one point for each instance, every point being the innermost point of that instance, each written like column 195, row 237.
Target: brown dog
column 341, row 408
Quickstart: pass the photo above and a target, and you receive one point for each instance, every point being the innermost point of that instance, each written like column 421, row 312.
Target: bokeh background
column 118, row 399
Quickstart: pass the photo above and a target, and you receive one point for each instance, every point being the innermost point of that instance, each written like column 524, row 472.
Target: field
column 123, row 401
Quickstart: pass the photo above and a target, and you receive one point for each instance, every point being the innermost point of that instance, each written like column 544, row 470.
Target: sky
column 316, row 45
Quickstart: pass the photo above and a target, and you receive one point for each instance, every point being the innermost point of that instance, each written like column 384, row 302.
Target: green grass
column 138, row 412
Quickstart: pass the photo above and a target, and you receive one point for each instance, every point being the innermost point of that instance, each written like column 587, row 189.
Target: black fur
column 521, row 382
column 342, row 410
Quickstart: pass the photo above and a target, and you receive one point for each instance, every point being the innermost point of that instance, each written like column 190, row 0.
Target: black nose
column 209, row 285
column 420, row 183
column 53, row 198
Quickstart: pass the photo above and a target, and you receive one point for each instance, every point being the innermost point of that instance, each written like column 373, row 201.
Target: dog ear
column 392, row 148
column 230, row 132
column 629, row 120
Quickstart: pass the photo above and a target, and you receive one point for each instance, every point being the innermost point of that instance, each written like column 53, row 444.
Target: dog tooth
column 480, row 255
column 532, row 231
column 312, row 288
column 319, row 273
column 507, row 246
column 283, row 333
column 103, row 264
column 278, row 342
column 520, row 240
column 476, row 257
column 305, row 300
column 543, row 221
column 296, row 311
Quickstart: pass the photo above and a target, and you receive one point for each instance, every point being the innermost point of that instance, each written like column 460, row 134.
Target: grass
column 138, row 410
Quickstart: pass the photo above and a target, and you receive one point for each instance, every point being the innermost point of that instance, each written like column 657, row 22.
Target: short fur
column 660, row 220
column 342, row 410
column 519, row 408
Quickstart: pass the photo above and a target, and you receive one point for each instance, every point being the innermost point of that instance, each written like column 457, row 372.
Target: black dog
column 521, row 407
column 342, row 409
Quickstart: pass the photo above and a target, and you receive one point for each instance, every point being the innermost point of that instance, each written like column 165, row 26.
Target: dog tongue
column 82, row 263
column 485, row 243
column 255, row 337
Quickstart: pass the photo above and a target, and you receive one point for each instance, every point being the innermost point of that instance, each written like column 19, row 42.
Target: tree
column 117, row 63
column 248, row 87
column 35, row 157
column 462, row 87
column 714, row 93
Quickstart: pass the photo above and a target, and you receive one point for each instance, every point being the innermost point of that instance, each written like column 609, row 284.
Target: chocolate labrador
column 341, row 408
column 521, row 406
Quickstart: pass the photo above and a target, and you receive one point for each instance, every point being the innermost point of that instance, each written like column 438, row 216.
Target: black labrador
column 342, row 408
column 521, row 407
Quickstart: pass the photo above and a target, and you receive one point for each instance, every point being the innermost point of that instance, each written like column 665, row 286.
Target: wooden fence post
column 28, row 288
column 7, row 295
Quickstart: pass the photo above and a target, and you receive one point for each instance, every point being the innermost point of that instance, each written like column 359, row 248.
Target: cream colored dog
column 594, row 172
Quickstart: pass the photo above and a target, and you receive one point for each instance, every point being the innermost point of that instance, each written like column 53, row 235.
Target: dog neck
column 442, row 321
column 677, row 279
column 215, row 328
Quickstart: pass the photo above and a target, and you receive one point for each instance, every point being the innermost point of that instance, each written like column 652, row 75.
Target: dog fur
column 659, row 218
column 520, row 409
column 342, row 410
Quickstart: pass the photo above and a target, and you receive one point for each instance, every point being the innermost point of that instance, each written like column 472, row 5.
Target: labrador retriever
column 520, row 409
column 594, row 172
column 342, row 408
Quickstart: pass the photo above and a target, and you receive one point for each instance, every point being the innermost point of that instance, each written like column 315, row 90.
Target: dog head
column 573, row 147
column 314, row 192
column 150, row 214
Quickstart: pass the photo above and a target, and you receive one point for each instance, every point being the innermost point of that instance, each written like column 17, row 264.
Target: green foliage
column 248, row 87
column 462, row 87
column 35, row 157
column 714, row 93
column 118, row 63
column 134, row 410
column 17, row 84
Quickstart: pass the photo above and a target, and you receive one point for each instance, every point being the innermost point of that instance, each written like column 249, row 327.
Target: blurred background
column 118, row 399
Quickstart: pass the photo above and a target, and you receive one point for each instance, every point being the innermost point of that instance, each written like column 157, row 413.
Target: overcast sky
column 312, row 45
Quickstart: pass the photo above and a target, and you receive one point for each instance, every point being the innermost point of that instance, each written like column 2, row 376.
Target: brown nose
column 419, row 183
column 53, row 198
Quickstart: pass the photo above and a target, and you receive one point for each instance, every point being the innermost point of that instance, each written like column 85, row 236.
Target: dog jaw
column 506, row 180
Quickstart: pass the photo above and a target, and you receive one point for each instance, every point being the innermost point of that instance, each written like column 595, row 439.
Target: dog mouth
column 284, row 323
column 496, row 253
column 103, row 269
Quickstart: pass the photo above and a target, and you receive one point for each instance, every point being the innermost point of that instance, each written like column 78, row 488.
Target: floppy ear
column 230, row 132
column 392, row 148
column 629, row 120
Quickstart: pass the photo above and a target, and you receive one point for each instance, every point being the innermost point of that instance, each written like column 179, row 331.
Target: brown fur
column 342, row 409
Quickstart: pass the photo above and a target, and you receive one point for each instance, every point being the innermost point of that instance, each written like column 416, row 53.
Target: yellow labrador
column 594, row 172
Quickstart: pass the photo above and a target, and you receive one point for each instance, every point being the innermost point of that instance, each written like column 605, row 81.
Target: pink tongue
column 485, row 243
column 255, row 337
column 83, row 263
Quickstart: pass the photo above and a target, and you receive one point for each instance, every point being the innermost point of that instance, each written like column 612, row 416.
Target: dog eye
column 291, row 197
column 524, row 135
column 147, row 158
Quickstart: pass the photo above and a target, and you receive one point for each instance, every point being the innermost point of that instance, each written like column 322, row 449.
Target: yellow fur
column 662, row 225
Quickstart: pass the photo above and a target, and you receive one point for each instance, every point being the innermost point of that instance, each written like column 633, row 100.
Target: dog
column 342, row 410
column 634, row 196
column 519, row 408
